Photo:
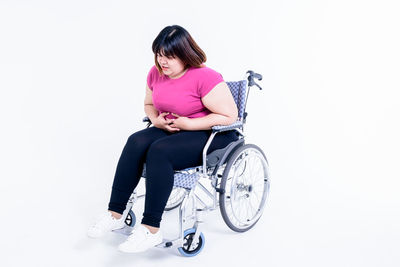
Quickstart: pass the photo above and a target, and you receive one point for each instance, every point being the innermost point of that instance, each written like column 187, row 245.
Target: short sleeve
column 209, row 79
column 151, row 76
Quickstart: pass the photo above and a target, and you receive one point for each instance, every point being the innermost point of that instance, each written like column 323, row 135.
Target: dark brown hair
column 174, row 41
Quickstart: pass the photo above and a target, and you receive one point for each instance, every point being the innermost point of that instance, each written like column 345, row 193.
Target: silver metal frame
column 196, row 214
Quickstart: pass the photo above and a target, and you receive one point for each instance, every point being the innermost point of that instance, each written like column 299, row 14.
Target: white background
column 72, row 79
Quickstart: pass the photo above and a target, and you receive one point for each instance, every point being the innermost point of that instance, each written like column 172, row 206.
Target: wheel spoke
column 245, row 187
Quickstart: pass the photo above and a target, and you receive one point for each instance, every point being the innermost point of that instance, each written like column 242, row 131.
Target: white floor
column 72, row 80
column 296, row 229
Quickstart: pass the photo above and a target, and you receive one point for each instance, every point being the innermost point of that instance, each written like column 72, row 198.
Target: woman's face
column 173, row 67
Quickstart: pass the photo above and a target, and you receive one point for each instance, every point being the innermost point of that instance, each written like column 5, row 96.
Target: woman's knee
column 135, row 141
column 157, row 151
column 141, row 138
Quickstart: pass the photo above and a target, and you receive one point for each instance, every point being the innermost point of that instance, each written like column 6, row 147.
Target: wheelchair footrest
column 166, row 243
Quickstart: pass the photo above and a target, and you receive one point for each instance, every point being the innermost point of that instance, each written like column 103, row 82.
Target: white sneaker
column 140, row 240
column 105, row 224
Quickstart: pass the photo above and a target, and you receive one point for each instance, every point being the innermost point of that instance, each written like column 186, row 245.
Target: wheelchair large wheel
column 245, row 187
column 175, row 198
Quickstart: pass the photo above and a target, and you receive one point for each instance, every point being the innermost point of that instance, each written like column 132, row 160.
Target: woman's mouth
column 164, row 68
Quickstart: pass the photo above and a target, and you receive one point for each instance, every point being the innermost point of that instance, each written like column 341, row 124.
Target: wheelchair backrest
column 238, row 90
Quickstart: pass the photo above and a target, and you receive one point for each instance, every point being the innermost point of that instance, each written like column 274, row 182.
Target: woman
column 184, row 99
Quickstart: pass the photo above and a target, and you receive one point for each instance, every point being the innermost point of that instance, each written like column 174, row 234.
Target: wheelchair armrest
column 223, row 128
column 215, row 130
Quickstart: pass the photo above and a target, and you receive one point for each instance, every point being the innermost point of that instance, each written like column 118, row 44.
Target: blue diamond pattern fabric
column 238, row 90
column 182, row 179
column 232, row 126
column 185, row 180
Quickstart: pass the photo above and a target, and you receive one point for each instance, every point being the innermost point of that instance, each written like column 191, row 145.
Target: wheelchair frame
column 207, row 170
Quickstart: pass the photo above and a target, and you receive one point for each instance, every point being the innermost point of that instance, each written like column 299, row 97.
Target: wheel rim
column 188, row 240
column 247, row 186
column 128, row 220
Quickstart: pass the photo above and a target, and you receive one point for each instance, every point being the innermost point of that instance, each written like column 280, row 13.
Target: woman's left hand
column 183, row 123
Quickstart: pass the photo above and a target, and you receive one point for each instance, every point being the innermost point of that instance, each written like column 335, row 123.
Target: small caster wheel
column 188, row 237
column 130, row 219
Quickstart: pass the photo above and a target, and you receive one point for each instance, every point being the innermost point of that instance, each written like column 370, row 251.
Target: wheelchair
column 239, row 176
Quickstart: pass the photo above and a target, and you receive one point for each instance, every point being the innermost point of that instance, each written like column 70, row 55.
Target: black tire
column 188, row 239
column 225, row 194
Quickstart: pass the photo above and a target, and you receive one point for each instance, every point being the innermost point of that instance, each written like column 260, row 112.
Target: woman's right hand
column 164, row 123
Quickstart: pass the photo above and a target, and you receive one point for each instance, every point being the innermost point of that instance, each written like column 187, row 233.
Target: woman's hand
column 183, row 123
column 165, row 124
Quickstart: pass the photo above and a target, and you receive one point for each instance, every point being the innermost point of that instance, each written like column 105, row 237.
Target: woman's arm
column 222, row 105
column 149, row 108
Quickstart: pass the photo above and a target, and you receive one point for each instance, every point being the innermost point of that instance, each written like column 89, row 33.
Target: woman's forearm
column 202, row 123
column 151, row 111
column 212, row 119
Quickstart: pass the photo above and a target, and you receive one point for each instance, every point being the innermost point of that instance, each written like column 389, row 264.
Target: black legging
column 163, row 153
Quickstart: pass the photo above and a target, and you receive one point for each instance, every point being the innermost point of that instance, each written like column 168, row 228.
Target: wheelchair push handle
column 251, row 77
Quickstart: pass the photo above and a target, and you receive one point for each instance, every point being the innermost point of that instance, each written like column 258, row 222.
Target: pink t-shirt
column 183, row 95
